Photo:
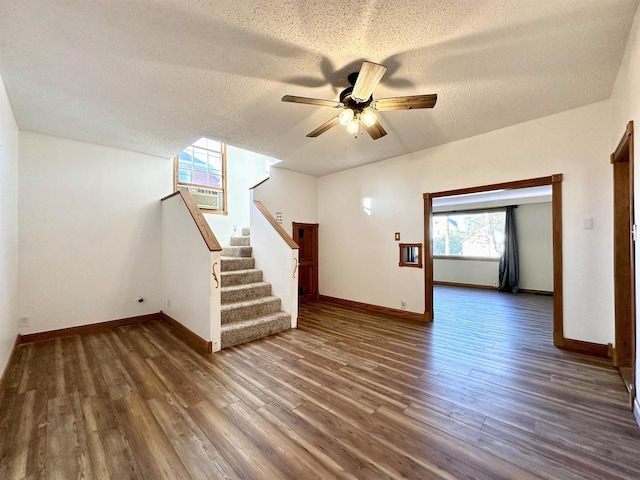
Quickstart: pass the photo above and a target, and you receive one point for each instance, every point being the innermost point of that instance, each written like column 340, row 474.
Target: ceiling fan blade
column 368, row 78
column 324, row 127
column 405, row 103
column 376, row 131
column 311, row 101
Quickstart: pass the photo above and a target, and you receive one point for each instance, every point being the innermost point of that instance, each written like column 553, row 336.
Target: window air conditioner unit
column 206, row 198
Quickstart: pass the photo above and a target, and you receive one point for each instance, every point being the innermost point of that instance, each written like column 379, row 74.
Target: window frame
column 467, row 212
column 403, row 262
column 223, row 153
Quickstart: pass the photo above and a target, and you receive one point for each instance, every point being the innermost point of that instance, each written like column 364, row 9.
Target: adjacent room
column 278, row 239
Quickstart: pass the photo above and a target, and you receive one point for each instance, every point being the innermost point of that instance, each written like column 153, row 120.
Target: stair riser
column 235, row 337
column 240, row 241
column 241, row 263
column 245, row 294
column 231, row 278
column 229, row 315
column 236, row 252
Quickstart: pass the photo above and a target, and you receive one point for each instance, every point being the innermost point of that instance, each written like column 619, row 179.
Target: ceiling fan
column 358, row 105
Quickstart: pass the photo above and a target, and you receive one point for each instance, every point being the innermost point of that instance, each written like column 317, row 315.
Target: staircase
column 249, row 311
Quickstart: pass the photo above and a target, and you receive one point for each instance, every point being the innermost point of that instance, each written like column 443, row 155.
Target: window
column 201, row 169
column 471, row 234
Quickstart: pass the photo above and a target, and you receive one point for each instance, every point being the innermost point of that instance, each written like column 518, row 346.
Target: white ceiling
column 153, row 75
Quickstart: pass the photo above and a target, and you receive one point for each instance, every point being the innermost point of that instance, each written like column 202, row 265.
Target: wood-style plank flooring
column 481, row 393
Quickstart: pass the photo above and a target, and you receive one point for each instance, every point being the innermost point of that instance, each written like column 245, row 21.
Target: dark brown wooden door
column 306, row 236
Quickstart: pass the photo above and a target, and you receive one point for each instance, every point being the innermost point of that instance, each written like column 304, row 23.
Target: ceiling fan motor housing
column 349, row 102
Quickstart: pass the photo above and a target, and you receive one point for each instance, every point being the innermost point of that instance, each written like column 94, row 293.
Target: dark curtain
column 509, row 268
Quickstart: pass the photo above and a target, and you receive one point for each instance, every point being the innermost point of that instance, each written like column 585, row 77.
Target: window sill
column 452, row 257
column 213, row 212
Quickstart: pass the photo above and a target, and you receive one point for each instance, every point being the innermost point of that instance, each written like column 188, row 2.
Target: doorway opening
column 624, row 260
column 555, row 181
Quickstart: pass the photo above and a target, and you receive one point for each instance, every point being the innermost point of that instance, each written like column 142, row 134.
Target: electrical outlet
column 23, row 322
column 495, row 283
column 403, row 304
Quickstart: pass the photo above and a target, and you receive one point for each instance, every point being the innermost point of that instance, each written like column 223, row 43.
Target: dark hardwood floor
column 481, row 393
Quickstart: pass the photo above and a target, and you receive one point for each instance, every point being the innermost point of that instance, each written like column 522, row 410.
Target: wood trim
column 428, row 264
column 259, row 183
column 536, row 292
column 277, row 227
column 558, row 298
column 12, row 355
column 556, row 199
column 84, row 329
column 198, row 343
column 622, row 160
column 532, row 182
column 201, row 222
column 632, row 215
column 586, row 348
column 466, row 285
column 472, row 210
column 617, row 156
column 402, row 263
column 170, row 195
column 392, row 312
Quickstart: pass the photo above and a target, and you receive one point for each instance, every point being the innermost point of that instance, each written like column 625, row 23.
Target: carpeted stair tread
column 238, row 293
column 243, row 251
column 254, row 328
column 228, row 264
column 246, row 309
column 246, row 231
column 240, row 277
column 243, row 241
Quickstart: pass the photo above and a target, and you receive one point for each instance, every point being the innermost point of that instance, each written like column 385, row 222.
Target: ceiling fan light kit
column 358, row 104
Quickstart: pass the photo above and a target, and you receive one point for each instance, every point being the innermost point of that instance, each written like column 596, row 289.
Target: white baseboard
column 636, row 410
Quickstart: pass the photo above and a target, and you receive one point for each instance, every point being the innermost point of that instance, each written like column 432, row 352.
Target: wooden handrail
column 259, row 183
column 204, row 228
column 278, row 228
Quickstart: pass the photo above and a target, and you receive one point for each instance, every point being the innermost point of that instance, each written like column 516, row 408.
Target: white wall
column 535, row 252
column 244, row 170
column 471, row 272
column 626, row 106
column 358, row 254
column 186, row 272
column 534, row 222
column 278, row 262
column 295, row 195
column 8, row 228
column 89, row 237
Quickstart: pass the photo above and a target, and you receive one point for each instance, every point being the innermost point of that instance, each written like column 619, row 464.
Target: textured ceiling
column 151, row 76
